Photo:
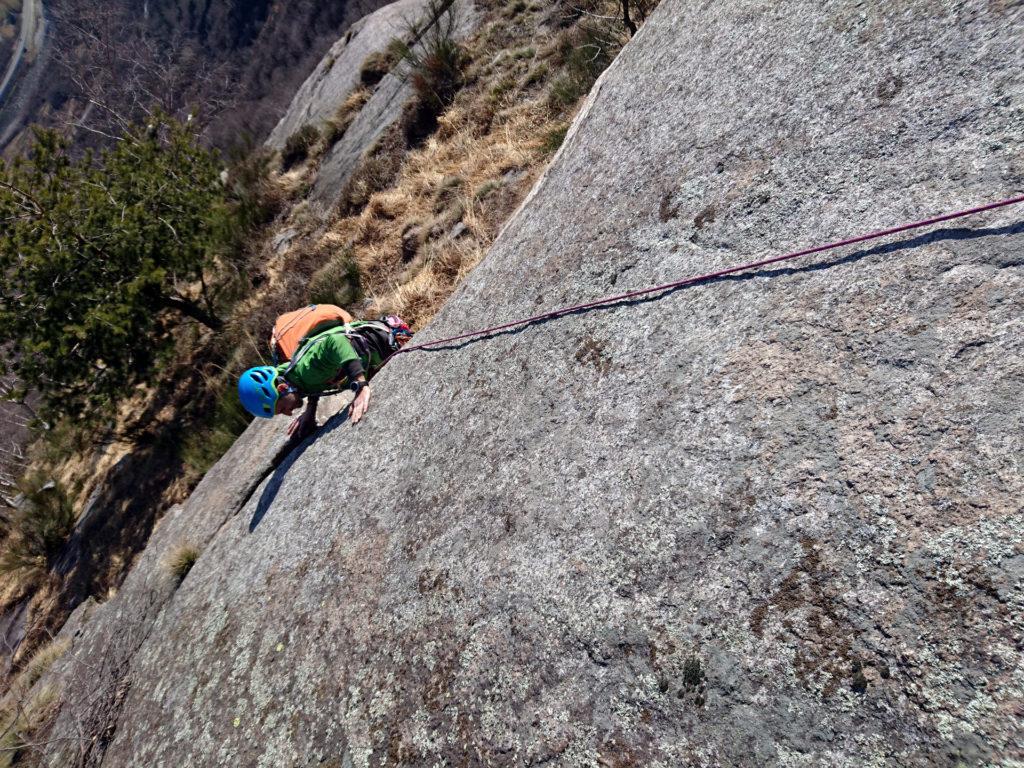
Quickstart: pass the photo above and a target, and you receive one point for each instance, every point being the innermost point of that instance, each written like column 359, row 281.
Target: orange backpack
column 293, row 328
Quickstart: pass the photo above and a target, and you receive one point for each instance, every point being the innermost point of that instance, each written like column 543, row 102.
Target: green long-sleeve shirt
column 327, row 360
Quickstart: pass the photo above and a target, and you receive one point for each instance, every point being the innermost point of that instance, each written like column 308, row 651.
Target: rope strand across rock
column 711, row 275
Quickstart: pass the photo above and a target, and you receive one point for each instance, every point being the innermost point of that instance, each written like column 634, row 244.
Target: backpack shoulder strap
column 305, row 346
column 362, row 333
column 277, row 333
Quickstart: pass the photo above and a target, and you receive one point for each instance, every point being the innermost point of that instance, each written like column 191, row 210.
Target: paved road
column 30, row 51
column 29, row 39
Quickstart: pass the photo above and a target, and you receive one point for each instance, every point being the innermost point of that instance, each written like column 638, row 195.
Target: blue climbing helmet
column 257, row 389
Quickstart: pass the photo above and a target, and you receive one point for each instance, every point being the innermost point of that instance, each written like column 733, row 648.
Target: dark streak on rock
column 592, row 352
column 707, row 216
column 889, row 87
column 667, row 211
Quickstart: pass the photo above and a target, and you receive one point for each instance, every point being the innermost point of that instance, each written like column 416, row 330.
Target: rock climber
column 341, row 358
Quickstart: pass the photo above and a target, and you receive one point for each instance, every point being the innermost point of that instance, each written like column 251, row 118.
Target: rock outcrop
column 382, row 110
column 770, row 520
column 338, row 73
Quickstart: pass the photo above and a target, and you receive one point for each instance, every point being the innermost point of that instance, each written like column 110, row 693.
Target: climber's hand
column 359, row 405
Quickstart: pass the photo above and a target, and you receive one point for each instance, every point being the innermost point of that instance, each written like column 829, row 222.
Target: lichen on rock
column 773, row 519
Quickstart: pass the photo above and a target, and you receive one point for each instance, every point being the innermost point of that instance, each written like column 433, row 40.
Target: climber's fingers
column 359, row 405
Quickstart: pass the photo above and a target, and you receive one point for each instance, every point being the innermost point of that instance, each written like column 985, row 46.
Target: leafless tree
column 16, row 415
column 631, row 13
column 98, row 677
column 72, row 710
column 121, row 72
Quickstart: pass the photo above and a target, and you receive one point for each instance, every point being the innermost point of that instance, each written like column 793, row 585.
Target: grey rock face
column 282, row 241
column 770, row 520
column 338, row 74
column 95, row 675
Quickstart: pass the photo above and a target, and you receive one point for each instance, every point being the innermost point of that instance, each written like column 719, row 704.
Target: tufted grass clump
column 181, row 561
column 337, row 282
column 553, row 139
column 298, row 146
column 40, row 663
column 377, row 65
column 335, row 128
column 21, row 725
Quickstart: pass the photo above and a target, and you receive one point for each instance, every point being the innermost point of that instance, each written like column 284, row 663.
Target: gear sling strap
column 369, row 336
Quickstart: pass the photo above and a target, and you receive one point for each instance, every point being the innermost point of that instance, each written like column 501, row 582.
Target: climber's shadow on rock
column 283, row 462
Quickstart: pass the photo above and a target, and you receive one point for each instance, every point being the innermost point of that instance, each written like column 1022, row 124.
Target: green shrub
column 565, row 91
column 297, row 148
column 60, row 440
column 503, row 87
column 585, row 52
column 553, row 139
column 333, row 131
column 38, row 530
column 94, row 246
column 536, row 75
column 485, row 189
column 438, row 73
column 433, row 64
column 448, row 192
column 257, row 202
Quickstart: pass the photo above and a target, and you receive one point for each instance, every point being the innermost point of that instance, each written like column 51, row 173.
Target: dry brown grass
column 437, row 188
column 21, row 725
column 24, row 712
column 395, row 218
column 181, row 560
column 490, row 146
column 40, row 663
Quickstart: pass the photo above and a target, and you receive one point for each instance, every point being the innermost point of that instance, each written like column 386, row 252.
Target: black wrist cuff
column 353, row 369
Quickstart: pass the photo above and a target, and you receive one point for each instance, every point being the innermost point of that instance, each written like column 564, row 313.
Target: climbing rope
column 710, row 275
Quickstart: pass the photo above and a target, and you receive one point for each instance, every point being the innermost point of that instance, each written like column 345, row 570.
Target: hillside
column 87, row 68
column 769, row 520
